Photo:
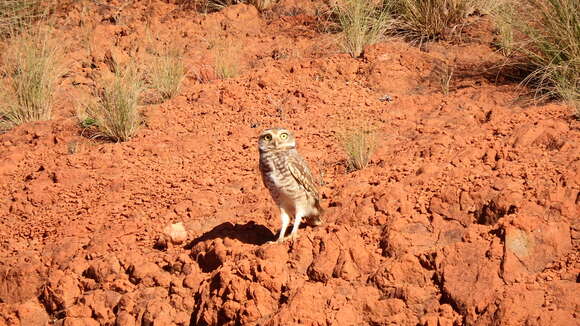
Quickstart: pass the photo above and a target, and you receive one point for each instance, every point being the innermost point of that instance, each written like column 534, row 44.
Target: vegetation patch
column 115, row 113
column 32, row 66
column 545, row 42
column 361, row 22
column 359, row 144
column 167, row 72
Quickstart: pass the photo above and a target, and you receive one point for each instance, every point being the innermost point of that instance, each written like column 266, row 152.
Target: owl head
column 276, row 139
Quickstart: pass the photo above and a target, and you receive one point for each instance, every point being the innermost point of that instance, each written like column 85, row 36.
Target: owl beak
column 275, row 143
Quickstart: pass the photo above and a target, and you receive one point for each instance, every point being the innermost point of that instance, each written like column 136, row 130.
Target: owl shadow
column 250, row 233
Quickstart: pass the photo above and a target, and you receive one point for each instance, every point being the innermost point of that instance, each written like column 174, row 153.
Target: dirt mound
column 467, row 214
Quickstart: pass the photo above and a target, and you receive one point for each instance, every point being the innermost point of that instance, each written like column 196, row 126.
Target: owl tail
column 316, row 219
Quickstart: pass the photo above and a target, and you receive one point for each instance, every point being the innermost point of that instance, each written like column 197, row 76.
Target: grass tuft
column 263, row 5
column 167, row 72
column 547, row 46
column 115, row 114
column 217, row 5
column 227, row 57
column 362, row 23
column 431, row 19
column 32, row 66
column 444, row 74
column 15, row 15
column 359, row 145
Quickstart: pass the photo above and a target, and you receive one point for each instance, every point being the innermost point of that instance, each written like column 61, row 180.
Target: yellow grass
column 115, row 114
column 362, row 23
column 167, row 72
column 359, row 144
column 32, row 66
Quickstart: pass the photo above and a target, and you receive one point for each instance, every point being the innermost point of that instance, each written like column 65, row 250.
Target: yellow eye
column 268, row 137
column 284, row 136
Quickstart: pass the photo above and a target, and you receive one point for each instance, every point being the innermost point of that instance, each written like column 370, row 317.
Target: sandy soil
column 467, row 215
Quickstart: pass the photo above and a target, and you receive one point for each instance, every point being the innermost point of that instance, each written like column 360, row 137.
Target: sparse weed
column 167, row 72
column 213, row 5
column 87, row 27
column 444, row 74
column 217, row 5
column 554, row 48
column 431, row 19
column 18, row 14
column 503, row 19
column 359, row 145
column 115, row 113
column 32, row 66
column 549, row 46
column 362, row 23
column 263, row 5
column 226, row 56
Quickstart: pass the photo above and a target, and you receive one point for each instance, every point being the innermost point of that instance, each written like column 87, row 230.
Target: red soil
column 467, row 215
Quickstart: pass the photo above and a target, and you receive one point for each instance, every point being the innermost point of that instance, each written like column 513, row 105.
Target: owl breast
column 283, row 187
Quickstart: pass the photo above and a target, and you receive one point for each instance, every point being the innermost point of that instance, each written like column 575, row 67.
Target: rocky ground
column 467, row 214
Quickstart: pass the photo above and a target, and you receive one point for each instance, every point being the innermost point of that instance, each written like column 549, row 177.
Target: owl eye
column 284, row 136
column 268, row 137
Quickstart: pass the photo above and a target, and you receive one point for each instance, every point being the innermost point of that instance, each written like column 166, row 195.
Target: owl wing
column 301, row 173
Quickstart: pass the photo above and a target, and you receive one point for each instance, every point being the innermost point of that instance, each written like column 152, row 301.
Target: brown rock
column 72, row 321
column 529, row 251
column 61, row 292
column 326, row 255
column 20, row 280
column 158, row 313
column 464, row 269
column 125, row 319
column 32, row 313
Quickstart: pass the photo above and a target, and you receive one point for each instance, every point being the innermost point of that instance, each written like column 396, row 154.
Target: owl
column 288, row 178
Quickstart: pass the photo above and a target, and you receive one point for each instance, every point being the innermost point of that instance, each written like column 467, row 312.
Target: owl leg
column 285, row 219
column 294, row 234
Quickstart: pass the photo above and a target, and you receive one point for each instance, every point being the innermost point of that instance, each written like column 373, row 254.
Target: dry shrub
column 32, row 64
column 359, row 144
column 217, row 5
column 115, row 113
column 167, row 71
column 263, row 5
column 443, row 72
column 227, row 55
column 18, row 14
column 503, row 17
column 433, row 19
column 362, row 23
column 548, row 46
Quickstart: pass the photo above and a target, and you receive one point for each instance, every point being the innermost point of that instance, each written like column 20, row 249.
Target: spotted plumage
column 287, row 176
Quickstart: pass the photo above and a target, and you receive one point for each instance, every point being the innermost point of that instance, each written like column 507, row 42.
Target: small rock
column 125, row 319
column 176, row 233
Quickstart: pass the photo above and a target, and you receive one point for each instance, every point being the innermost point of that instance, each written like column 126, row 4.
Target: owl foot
column 291, row 237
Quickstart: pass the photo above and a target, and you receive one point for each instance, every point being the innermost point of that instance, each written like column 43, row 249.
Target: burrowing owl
column 287, row 176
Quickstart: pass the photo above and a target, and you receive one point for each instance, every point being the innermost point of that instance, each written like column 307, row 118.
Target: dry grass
column 434, row 19
column 15, row 15
column 263, row 5
column 115, row 114
column 503, row 16
column 359, row 145
column 217, row 5
column 362, row 23
column 550, row 47
column 32, row 64
column 444, row 74
column 167, row 72
column 226, row 58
